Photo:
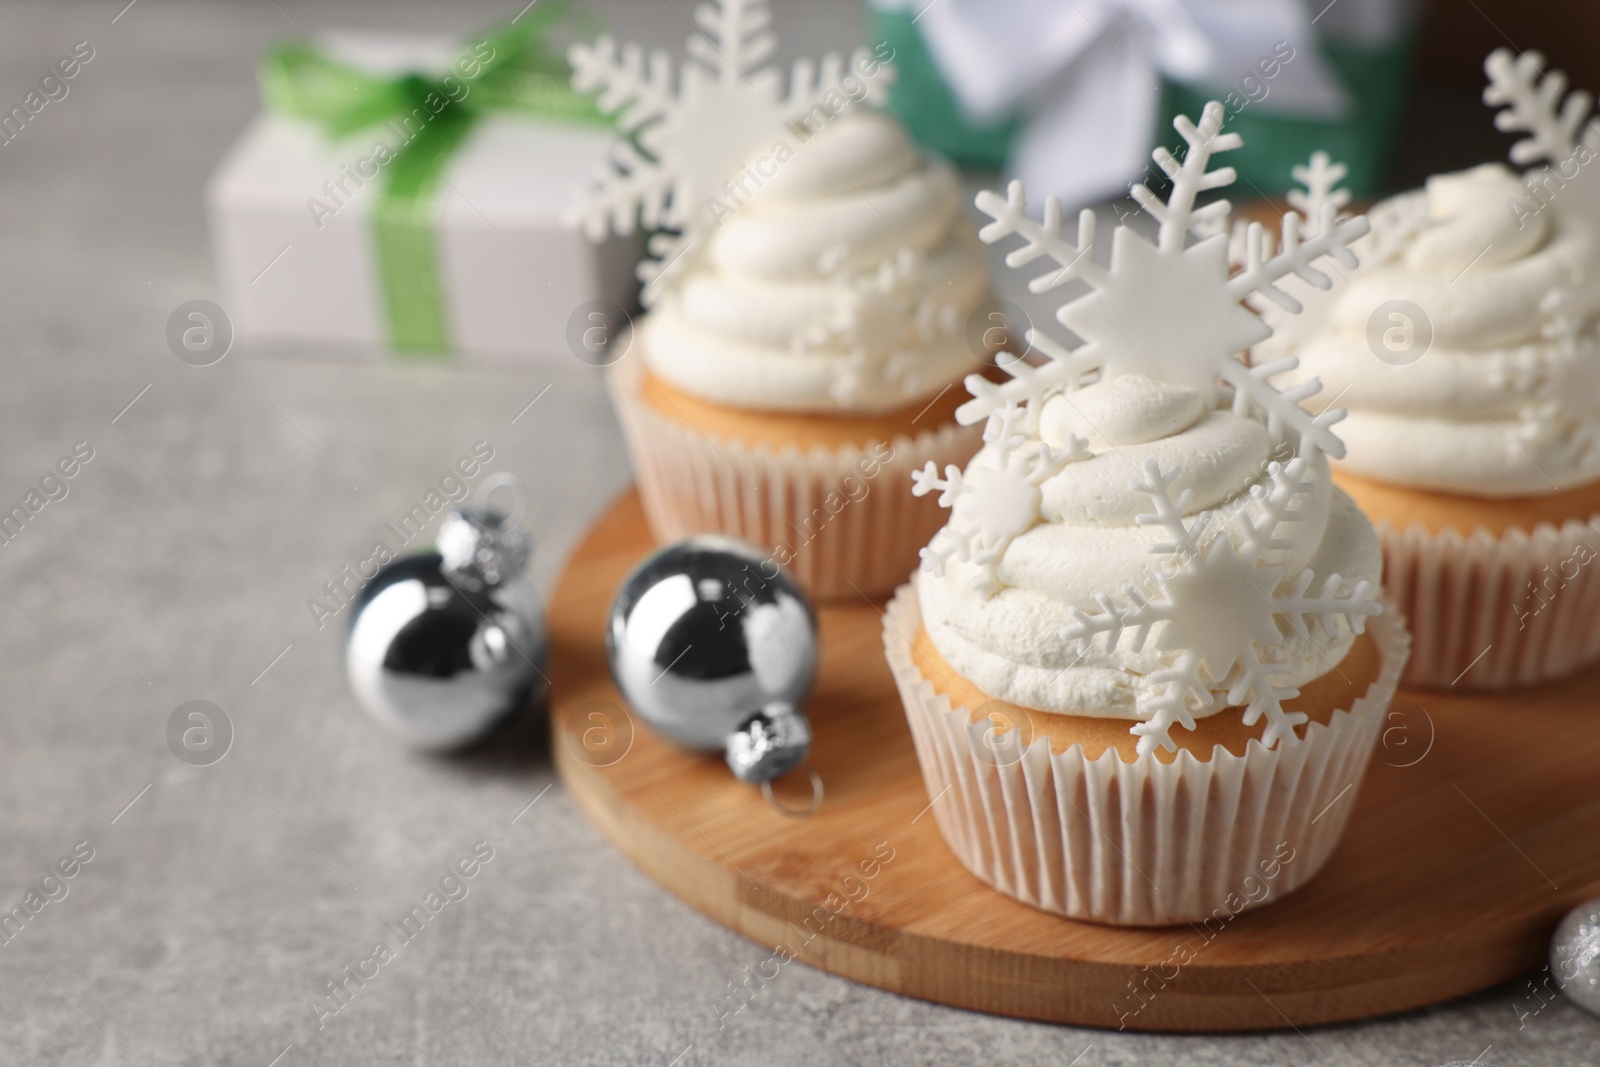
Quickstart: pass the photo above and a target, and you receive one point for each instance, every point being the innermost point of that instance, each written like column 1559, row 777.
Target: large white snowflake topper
column 881, row 318
column 995, row 500
column 690, row 146
column 1171, row 310
column 1221, row 607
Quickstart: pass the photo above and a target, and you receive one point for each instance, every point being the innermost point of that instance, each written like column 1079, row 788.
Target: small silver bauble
column 714, row 646
column 446, row 646
column 1575, row 956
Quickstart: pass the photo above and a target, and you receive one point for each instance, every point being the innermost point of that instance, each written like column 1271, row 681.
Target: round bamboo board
column 1473, row 833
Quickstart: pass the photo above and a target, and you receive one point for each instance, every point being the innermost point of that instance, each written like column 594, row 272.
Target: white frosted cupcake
column 805, row 363
column 1465, row 348
column 808, row 316
column 1137, row 662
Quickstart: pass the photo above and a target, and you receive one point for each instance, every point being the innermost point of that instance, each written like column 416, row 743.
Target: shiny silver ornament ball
column 447, row 646
column 768, row 744
column 1575, row 956
column 706, row 633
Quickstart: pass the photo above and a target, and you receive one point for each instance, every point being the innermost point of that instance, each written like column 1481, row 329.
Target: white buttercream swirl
column 1088, row 543
column 842, row 285
column 1506, row 401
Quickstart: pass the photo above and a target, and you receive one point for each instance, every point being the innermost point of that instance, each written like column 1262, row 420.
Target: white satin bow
column 1086, row 75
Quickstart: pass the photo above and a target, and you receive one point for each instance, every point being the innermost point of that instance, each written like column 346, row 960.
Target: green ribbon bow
column 511, row 69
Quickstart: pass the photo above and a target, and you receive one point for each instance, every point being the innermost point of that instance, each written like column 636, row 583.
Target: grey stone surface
column 221, row 899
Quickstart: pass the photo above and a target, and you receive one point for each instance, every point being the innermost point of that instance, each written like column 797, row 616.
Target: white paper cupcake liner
column 1492, row 612
column 839, row 547
column 1143, row 843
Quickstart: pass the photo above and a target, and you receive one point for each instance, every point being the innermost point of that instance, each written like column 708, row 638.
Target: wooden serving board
column 1474, row 832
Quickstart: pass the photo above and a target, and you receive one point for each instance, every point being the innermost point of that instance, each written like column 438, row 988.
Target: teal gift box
column 1368, row 47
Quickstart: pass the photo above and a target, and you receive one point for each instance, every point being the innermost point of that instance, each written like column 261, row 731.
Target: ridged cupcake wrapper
column 1143, row 843
column 1492, row 612
column 840, row 547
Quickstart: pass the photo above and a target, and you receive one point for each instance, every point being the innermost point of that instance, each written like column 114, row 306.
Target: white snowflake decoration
column 994, row 501
column 687, row 142
column 881, row 319
column 1319, row 185
column 1562, row 134
column 1319, row 180
column 1220, row 607
column 1169, row 310
column 1533, row 104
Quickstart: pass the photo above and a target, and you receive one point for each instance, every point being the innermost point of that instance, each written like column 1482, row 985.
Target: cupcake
column 1465, row 348
column 1144, row 663
column 807, row 307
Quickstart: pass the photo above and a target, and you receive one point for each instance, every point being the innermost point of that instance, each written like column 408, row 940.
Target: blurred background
column 221, row 497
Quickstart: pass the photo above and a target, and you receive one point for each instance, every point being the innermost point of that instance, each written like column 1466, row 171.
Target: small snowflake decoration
column 994, row 501
column 1561, row 133
column 1219, row 610
column 1170, row 310
column 1533, row 103
column 1561, row 128
column 1318, row 186
column 685, row 144
column 1319, row 180
column 869, row 322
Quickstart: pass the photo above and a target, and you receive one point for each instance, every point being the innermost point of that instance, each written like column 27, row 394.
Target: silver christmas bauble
column 703, row 636
column 446, row 646
column 1575, row 956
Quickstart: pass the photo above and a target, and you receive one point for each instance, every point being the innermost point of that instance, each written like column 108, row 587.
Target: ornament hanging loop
column 484, row 497
column 796, row 813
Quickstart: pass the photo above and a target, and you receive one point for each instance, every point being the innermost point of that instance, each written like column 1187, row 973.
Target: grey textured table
column 220, row 900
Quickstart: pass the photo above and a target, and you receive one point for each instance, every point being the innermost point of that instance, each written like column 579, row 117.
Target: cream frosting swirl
column 1088, row 543
column 1505, row 402
column 841, row 284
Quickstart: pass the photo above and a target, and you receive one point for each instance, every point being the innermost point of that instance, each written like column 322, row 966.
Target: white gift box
column 511, row 272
